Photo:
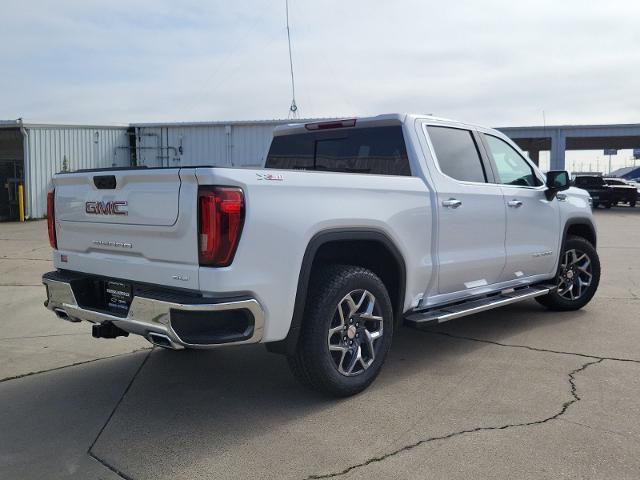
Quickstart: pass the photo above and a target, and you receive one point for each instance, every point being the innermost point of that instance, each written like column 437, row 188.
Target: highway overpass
column 559, row 138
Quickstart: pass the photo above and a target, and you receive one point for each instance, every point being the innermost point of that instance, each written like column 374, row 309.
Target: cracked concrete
column 575, row 398
column 518, row 392
column 571, row 446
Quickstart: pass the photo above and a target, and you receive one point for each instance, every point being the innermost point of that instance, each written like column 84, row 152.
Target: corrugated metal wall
column 233, row 144
column 237, row 145
column 50, row 149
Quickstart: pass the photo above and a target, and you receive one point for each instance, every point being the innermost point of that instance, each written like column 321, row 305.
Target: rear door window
column 373, row 150
column 457, row 154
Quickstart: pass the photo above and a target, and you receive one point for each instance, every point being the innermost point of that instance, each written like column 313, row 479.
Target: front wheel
column 577, row 278
column 346, row 332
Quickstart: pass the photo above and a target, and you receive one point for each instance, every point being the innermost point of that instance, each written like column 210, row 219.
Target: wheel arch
column 371, row 248
column 581, row 227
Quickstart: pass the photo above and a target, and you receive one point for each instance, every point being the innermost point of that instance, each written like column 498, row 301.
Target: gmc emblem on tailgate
column 106, row 208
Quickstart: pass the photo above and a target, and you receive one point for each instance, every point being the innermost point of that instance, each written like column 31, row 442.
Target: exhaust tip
column 160, row 340
column 61, row 314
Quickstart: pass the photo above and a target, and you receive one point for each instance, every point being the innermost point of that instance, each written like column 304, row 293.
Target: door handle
column 514, row 203
column 451, row 203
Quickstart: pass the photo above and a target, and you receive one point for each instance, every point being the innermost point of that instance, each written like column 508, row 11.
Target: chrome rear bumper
column 150, row 317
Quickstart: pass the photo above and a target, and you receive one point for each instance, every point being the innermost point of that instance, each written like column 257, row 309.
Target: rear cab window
column 369, row 150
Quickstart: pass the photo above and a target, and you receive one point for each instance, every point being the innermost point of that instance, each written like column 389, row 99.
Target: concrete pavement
column 31, row 338
column 517, row 392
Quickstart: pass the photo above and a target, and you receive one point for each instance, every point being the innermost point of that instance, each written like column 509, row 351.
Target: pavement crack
column 534, row 349
column 26, row 258
column 22, row 375
column 42, row 336
column 122, row 475
column 563, row 409
column 113, row 411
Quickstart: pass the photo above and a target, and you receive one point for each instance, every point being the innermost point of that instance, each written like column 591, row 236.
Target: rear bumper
column 150, row 315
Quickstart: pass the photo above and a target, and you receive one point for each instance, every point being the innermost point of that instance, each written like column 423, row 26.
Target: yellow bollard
column 21, row 201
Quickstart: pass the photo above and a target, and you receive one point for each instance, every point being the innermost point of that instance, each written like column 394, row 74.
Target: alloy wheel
column 575, row 274
column 355, row 333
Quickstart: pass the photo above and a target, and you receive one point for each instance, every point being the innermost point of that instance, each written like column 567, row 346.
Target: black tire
column 313, row 364
column 632, row 203
column 596, row 204
column 557, row 302
column 608, row 205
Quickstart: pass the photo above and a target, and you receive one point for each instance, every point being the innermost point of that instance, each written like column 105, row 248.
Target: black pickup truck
column 601, row 193
column 607, row 191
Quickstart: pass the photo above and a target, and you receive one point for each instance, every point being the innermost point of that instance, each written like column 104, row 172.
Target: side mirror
column 557, row 180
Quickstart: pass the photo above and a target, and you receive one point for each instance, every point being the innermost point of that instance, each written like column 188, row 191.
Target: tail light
column 51, row 219
column 221, row 216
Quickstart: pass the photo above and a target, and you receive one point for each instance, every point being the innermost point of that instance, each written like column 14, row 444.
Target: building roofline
column 572, row 127
column 216, row 123
column 26, row 124
column 17, row 123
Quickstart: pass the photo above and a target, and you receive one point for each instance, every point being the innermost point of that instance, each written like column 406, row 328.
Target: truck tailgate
column 130, row 224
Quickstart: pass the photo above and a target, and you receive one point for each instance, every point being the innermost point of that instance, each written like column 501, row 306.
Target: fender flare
column 586, row 221
column 288, row 345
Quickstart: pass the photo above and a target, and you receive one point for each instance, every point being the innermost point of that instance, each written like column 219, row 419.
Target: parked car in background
column 623, row 192
column 635, row 184
column 601, row 193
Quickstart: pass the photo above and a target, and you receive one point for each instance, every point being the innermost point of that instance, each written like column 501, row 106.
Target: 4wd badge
column 270, row 176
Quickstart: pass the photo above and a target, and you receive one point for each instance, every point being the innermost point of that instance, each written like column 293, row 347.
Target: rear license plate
column 118, row 296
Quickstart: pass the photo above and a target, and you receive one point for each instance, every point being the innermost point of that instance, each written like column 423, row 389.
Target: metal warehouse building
column 31, row 153
column 230, row 144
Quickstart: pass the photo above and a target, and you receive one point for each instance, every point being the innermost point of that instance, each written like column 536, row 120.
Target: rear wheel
column 632, row 203
column 577, row 278
column 608, row 205
column 346, row 333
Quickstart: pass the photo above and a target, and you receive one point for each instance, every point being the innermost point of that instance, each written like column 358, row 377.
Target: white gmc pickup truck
column 352, row 228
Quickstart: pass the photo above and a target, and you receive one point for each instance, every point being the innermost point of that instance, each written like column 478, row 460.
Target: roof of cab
column 360, row 122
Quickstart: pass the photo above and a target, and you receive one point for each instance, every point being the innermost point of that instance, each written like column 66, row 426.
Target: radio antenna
column 293, row 108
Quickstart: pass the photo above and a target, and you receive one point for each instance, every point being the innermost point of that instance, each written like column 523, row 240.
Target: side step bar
column 445, row 313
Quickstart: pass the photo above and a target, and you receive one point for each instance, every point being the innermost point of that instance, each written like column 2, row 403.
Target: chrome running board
column 448, row 312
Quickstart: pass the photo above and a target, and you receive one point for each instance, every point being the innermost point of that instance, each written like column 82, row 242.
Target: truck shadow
column 196, row 406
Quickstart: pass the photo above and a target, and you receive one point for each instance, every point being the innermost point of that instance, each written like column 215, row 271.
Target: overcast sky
column 498, row 63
